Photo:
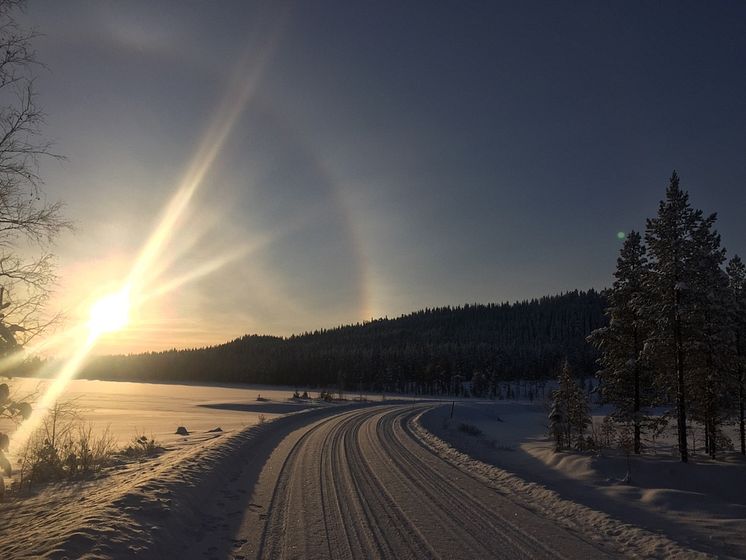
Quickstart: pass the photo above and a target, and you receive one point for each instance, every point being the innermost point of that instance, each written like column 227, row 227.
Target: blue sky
column 392, row 156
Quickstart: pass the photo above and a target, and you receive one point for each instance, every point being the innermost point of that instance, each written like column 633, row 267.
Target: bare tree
column 28, row 221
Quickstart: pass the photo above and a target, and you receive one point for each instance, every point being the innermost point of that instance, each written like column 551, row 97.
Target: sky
column 384, row 156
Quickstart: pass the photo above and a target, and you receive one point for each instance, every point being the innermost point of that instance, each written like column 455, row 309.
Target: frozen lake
column 156, row 410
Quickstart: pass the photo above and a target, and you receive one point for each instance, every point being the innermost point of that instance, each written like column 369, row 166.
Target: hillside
column 428, row 348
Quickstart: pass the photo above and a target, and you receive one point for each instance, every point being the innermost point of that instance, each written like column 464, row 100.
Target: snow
column 669, row 509
column 145, row 509
column 362, row 485
column 157, row 409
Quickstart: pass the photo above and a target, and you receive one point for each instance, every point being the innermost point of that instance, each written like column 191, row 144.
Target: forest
column 428, row 351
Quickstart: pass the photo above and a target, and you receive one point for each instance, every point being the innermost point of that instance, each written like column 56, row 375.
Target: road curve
column 360, row 484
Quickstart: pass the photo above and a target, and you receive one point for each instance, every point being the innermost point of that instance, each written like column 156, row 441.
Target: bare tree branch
column 26, row 216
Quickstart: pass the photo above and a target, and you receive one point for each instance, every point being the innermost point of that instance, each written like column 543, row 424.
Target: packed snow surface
column 666, row 509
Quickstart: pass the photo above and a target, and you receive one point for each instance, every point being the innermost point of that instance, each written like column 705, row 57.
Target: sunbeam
column 112, row 312
column 203, row 270
column 55, row 342
column 50, row 396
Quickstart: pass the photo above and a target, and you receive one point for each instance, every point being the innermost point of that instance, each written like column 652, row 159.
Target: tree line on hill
column 432, row 351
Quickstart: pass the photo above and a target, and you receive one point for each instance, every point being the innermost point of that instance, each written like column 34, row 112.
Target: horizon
column 363, row 322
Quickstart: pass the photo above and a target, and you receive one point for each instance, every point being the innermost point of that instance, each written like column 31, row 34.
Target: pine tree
column 709, row 335
column 569, row 415
column 557, row 422
column 625, row 381
column 737, row 312
column 665, row 303
column 579, row 415
column 479, row 384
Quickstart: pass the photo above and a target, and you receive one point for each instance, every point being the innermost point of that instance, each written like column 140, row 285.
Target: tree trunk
column 711, row 414
column 713, row 438
column 638, row 446
column 637, row 400
column 740, row 416
column 680, row 387
column 741, row 395
column 694, row 441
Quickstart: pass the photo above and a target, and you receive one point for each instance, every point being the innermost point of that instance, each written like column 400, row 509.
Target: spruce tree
column 569, row 415
column 737, row 312
column 557, row 422
column 624, row 380
column 665, row 305
column 709, row 335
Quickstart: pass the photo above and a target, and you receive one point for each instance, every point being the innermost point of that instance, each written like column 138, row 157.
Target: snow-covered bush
column 14, row 410
column 64, row 447
column 141, row 446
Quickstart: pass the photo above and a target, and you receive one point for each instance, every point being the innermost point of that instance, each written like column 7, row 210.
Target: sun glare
column 110, row 313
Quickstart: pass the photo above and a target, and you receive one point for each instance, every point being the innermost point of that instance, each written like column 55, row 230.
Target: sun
column 110, row 313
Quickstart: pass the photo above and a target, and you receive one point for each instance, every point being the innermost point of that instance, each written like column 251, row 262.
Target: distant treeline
column 430, row 350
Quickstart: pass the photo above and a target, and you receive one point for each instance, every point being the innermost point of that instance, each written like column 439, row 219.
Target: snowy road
column 360, row 484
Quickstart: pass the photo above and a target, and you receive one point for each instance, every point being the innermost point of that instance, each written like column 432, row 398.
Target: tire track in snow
column 360, row 484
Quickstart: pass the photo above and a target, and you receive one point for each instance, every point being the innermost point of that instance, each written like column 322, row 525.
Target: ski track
column 361, row 484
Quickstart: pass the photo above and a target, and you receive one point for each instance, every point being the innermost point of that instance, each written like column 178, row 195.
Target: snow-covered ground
column 153, row 409
column 151, row 507
column 667, row 510
column 145, row 508
column 129, row 409
column 699, row 506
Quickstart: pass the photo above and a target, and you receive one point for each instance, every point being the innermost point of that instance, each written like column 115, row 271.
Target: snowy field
column 700, row 506
column 156, row 410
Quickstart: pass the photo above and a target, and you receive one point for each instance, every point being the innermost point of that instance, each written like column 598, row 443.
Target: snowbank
column 668, row 510
column 154, row 509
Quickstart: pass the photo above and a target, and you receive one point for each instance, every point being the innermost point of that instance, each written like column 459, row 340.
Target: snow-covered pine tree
column 665, row 303
column 625, row 381
column 710, row 332
column 569, row 415
column 737, row 311
column 557, row 421
column 579, row 415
